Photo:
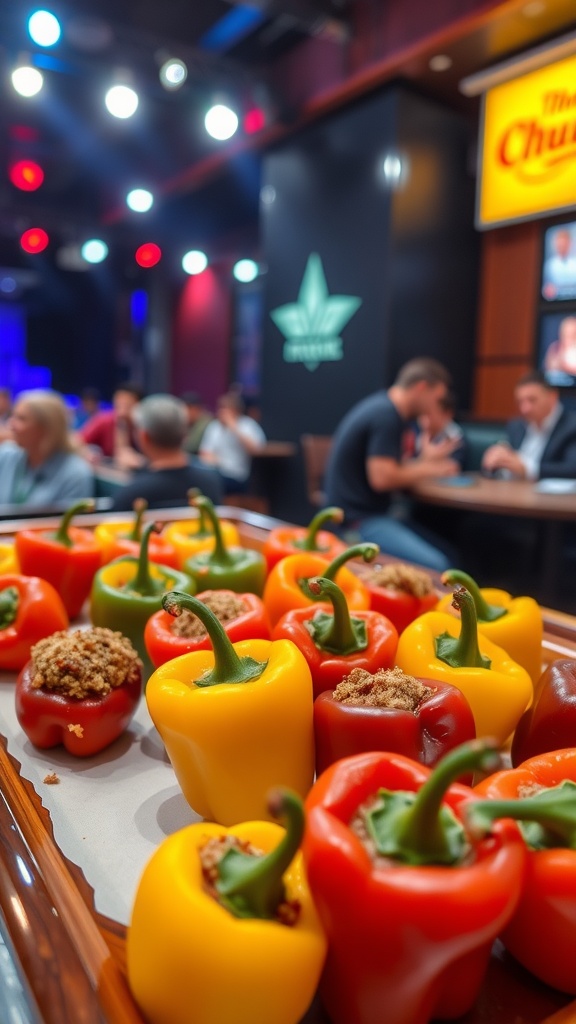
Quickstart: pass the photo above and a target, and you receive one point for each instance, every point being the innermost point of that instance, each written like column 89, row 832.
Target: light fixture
column 221, row 122
column 534, row 9
column 539, row 57
column 27, row 80
column 148, row 255
column 44, row 28
column 34, row 240
column 194, row 262
column 94, row 250
column 245, row 271
column 140, row 200
column 173, row 73
column 393, row 169
column 267, row 195
column 440, row 62
column 26, row 175
column 121, row 101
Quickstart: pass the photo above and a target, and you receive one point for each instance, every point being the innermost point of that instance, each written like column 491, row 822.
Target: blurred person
column 198, row 419
column 561, row 354
column 230, row 441
column 111, row 431
column 366, row 464
column 542, row 441
column 161, row 422
column 88, row 406
column 5, row 413
column 560, row 268
column 437, row 425
column 39, row 466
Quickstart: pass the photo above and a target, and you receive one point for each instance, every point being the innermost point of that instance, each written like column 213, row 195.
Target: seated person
column 88, row 406
column 542, row 441
column 438, row 424
column 161, row 424
column 230, row 441
column 198, row 419
column 111, row 431
column 39, row 467
column 366, row 462
column 5, row 413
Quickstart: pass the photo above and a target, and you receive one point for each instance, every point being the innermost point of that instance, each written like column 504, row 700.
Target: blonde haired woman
column 39, row 467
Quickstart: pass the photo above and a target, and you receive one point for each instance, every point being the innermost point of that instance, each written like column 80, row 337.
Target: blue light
column 139, row 307
column 44, row 28
column 231, row 28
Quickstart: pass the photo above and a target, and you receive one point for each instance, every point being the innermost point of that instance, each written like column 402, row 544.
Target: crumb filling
column 398, row 576
column 225, row 605
column 386, row 688
column 84, row 663
column 212, row 852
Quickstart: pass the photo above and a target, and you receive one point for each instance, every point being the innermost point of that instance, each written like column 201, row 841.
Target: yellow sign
column 528, row 161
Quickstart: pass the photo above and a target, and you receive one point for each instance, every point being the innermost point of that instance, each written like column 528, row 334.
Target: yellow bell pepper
column 8, row 559
column 514, row 623
column 437, row 646
column 218, row 955
column 235, row 721
column 190, row 536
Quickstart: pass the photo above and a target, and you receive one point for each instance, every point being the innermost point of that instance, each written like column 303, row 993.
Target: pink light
column 34, row 240
column 148, row 255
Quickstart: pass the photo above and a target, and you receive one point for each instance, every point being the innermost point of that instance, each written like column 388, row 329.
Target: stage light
column 194, row 262
column 26, row 175
column 148, row 255
column 34, row 240
column 140, row 200
column 94, row 250
column 173, row 73
column 121, row 101
column 254, row 121
column 221, row 122
column 27, row 81
column 44, row 28
column 245, row 271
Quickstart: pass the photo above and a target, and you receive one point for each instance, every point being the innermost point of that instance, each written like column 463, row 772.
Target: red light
column 34, row 240
column 27, row 175
column 148, row 255
column 254, row 121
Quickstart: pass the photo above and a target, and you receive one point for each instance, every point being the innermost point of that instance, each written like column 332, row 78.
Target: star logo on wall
column 312, row 325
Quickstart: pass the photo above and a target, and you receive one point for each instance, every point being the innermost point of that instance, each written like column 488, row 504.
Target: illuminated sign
column 312, row 325
column 528, row 160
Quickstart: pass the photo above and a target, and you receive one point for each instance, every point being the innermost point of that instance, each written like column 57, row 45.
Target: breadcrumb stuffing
column 84, row 663
column 212, row 852
column 387, row 688
column 78, row 730
column 51, row 779
column 400, row 576
column 225, row 605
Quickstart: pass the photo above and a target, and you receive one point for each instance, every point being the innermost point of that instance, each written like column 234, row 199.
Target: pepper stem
column 462, row 651
column 144, row 583
column 337, row 633
column 139, row 507
column 366, row 551
column 253, row 886
column 552, row 811
column 485, row 612
column 9, row 603
column 310, row 541
column 228, row 667
column 419, row 828
column 62, row 536
column 220, row 554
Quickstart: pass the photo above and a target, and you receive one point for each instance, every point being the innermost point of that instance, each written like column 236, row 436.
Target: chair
column 315, row 449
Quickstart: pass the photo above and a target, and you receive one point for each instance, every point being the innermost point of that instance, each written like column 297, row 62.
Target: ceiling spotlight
column 194, row 262
column 94, row 250
column 44, row 28
column 221, row 122
column 140, row 200
column 440, row 62
column 245, row 271
column 34, row 240
column 148, row 255
column 121, row 101
column 27, row 80
column 173, row 73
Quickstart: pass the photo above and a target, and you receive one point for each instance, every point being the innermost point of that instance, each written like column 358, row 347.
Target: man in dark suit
column 542, row 442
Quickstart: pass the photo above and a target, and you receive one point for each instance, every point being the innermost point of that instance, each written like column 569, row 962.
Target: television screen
column 557, row 348
column 559, row 265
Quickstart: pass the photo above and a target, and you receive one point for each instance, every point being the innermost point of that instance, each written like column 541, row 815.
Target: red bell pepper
column 242, row 615
column 68, row 558
column 541, row 794
column 419, row 718
column 550, row 721
column 288, row 540
column 30, row 609
column 101, row 665
column 410, row 902
column 400, row 591
column 121, row 537
column 335, row 643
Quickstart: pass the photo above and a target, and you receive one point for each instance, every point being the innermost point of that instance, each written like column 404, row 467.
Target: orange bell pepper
column 286, row 587
column 122, row 537
column 289, row 540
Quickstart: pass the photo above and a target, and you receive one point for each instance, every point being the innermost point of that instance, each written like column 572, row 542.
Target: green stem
column 366, row 551
column 337, row 633
column 310, row 541
column 140, row 506
column 9, row 602
column 462, row 651
column 419, row 828
column 220, row 555
column 228, row 667
column 143, row 582
column 484, row 611
column 62, row 536
column 552, row 810
column 253, row 886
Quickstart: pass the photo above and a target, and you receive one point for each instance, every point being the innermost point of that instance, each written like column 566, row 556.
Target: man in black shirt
column 161, row 423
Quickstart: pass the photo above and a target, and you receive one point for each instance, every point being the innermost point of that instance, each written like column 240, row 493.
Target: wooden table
column 512, row 498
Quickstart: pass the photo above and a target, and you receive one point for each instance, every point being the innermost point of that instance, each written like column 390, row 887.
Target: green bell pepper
column 225, row 568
